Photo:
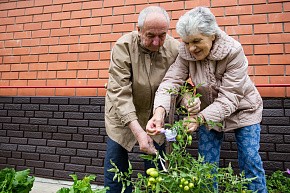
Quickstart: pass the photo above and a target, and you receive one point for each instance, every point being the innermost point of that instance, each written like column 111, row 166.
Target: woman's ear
column 212, row 37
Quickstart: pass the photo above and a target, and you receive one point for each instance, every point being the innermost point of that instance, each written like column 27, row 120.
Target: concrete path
column 43, row 185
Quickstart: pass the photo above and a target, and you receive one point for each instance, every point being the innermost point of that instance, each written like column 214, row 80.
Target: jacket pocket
column 245, row 103
column 110, row 111
column 108, row 107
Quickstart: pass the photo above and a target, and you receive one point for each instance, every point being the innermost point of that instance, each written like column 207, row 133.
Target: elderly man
column 139, row 61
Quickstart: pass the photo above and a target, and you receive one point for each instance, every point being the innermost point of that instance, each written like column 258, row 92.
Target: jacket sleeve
column 176, row 75
column 119, row 89
column 232, row 89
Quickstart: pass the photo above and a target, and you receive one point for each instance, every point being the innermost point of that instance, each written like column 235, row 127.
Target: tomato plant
column 184, row 173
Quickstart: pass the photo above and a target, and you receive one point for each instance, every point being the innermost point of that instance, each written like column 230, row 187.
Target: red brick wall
column 68, row 42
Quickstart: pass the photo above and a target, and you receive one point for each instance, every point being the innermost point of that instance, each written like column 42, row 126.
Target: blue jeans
column 248, row 139
column 119, row 156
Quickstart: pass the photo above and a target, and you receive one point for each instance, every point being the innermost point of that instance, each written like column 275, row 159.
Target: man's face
column 154, row 31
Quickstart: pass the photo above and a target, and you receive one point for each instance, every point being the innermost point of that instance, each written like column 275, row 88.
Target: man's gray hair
column 148, row 10
column 198, row 20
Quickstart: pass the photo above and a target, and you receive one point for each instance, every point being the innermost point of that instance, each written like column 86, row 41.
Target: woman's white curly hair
column 198, row 20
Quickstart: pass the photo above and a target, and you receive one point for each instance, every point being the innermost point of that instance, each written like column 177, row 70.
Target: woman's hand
column 156, row 123
column 192, row 123
column 192, row 104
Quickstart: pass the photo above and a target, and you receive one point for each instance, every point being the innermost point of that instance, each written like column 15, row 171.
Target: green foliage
column 12, row 181
column 123, row 177
column 81, row 186
column 278, row 182
column 184, row 173
column 188, row 90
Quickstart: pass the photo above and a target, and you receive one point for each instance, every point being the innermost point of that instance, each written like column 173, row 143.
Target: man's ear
column 138, row 29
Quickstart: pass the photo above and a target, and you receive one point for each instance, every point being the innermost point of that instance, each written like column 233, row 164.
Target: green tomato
column 191, row 185
column 182, row 180
column 148, row 171
column 194, row 178
column 154, row 173
column 186, row 188
column 159, row 179
column 152, row 180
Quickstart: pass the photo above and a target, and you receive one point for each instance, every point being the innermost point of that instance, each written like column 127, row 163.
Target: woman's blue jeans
column 119, row 156
column 248, row 143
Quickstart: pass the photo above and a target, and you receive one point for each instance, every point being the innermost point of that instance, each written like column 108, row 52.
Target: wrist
column 201, row 120
column 160, row 112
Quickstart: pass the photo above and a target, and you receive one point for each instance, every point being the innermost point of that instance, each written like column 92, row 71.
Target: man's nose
column 156, row 41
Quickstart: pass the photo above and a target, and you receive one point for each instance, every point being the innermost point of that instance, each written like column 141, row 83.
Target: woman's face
column 199, row 45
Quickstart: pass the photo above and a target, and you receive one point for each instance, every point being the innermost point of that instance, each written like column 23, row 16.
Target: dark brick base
column 58, row 136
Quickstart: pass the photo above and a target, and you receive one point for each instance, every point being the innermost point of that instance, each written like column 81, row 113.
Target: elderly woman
column 216, row 61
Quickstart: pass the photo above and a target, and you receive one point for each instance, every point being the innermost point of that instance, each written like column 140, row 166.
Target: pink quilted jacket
column 228, row 94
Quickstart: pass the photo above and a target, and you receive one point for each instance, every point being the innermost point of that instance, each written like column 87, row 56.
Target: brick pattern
column 68, row 42
column 58, row 136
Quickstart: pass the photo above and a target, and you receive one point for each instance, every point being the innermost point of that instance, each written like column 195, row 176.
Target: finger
column 195, row 102
column 189, row 120
column 194, row 109
column 192, row 128
column 151, row 131
column 193, row 113
column 151, row 148
column 194, row 105
column 152, row 151
column 185, row 122
column 150, row 124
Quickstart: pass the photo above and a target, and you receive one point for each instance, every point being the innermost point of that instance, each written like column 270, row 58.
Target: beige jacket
column 134, row 76
column 228, row 94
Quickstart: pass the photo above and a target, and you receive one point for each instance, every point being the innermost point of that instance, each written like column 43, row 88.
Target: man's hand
column 156, row 123
column 192, row 104
column 145, row 142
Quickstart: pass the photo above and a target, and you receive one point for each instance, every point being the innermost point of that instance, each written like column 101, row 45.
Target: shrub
column 12, row 181
column 279, row 182
column 81, row 186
